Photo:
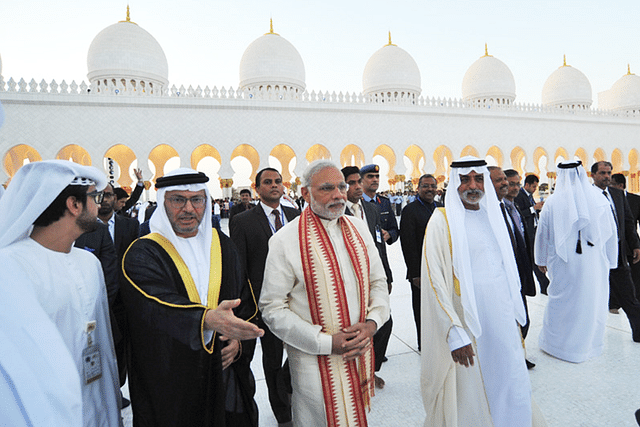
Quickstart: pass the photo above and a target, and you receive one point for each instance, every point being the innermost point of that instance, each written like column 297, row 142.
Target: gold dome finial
column 128, row 19
column 629, row 73
column 389, row 44
column 271, row 28
column 564, row 60
column 486, row 50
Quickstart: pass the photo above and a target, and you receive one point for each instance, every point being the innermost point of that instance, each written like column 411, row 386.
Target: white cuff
column 458, row 338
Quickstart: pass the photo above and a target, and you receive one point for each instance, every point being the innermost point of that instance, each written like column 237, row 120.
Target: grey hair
column 315, row 167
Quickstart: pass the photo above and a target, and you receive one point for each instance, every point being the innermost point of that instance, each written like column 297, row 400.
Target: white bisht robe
column 70, row 289
column 496, row 391
column 576, row 313
column 285, row 309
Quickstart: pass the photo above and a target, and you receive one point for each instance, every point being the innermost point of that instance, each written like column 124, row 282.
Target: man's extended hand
column 385, row 235
column 229, row 353
column 538, row 206
column 352, row 342
column 138, row 173
column 542, row 268
column 223, row 321
column 463, row 355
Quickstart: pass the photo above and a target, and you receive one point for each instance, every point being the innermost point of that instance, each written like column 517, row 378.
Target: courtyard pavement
column 600, row 392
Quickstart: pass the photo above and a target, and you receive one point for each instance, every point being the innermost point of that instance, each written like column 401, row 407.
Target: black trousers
column 623, row 291
column 415, row 302
column 272, row 352
column 381, row 341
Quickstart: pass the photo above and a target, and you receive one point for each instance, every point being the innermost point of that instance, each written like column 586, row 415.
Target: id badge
column 378, row 235
column 91, row 364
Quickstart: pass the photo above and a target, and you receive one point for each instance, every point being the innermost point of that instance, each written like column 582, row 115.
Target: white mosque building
column 129, row 115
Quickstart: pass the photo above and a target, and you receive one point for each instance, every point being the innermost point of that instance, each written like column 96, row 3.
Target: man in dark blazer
column 370, row 175
column 124, row 202
column 251, row 231
column 530, row 210
column 371, row 214
column 620, row 281
column 413, row 224
column 123, row 232
column 244, row 205
column 620, row 182
column 514, row 224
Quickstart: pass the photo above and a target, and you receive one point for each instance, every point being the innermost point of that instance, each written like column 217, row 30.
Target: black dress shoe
column 530, row 365
column 638, row 416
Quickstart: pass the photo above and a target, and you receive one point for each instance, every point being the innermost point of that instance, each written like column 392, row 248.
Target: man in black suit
column 413, row 224
column 530, row 210
column 244, row 205
column 620, row 282
column 251, row 231
column 370, row 182
column 516, row 232
column 620, row 182
column 123, row 232
column 371, row 214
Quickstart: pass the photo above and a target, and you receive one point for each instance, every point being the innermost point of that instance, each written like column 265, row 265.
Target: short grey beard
column 465, row 196
column 323, row 212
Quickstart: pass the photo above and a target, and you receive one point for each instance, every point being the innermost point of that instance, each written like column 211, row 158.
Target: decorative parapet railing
column 277, row 94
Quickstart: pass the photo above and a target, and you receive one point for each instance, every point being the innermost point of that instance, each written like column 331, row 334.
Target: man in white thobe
column 46, row 207
column 324, row 295
column 577, row 243
column 472, row 308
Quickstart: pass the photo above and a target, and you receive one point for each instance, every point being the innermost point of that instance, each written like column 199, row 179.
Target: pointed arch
column 496, row 154
column 518, row 158
column 285, row 155
column 17, row 156
column 581, row 154
column 158, row 158
column 124, row 157
column 633, row 171
column 352, row 155
column 599, row 155
column 388, row 153
column 442, row 157
column 617, row 160
column 202, row 151
column 251, row 154
column 317, row 152
column 561, row 153
column 75, row 153
column 469, row 151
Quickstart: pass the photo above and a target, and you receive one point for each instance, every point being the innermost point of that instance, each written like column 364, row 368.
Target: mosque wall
column 95, row 123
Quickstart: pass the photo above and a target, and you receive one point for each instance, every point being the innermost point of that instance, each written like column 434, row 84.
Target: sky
column 204, row 40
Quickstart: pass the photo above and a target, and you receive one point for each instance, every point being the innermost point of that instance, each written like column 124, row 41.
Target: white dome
column 488, row 78
column 624, row 95
column 391, row 69
column 567, row 87
column 126, row 51
column 271, row 60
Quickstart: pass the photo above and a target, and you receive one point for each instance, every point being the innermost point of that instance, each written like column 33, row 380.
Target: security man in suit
column 530, row 210
column 413, row 225
column 370, row 175
column 620, row 182
column 620, row 281
column 250, row 231
column 371, row 214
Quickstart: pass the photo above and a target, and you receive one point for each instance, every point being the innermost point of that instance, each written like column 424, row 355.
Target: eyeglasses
column 109, row 195
column 179, row 202
column 97, row 196
column 429, row 186
column 330, row 188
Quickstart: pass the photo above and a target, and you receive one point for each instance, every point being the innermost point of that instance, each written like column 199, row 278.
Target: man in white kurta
column 285, row 303
column 67, row 282
column 577, row 244
column 472, row 307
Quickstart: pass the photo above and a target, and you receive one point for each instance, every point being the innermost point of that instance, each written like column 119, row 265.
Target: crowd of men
column 176, row 306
